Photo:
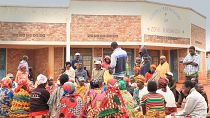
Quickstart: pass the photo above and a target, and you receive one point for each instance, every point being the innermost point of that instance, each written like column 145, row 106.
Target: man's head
column 188, row 85
column 194, row 81
column 25, row 57
column 68, row 65
column 77, row 55
column 110, row 70
column 162, row 59
column 152, row 86
column 132, row 80
column 114, row 45
column 199, row 87
column 63, row 78
column 192, row 50
column 50, row 81
column 11, row 76
column 142, row 51
column 97, row 65
column 146, row 57
column 169, row 75
column 80, row 66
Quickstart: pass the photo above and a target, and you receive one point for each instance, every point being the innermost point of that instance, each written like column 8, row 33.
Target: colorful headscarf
column 122, row 84
column 141, row 78
column 153, row 66
column 68, row 88
column 112, row 83
column 41, row 79
column 6, row 82
column 136, row 69
column 163, row 82
column 126, row 79
column 21, row 83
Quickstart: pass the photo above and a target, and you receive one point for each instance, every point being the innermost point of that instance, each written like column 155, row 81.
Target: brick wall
column 202, row 72
column 41, row 62
column 198, row 36
column 14, row 56
column 165, row 39
column 32, row 31
column 105, row 28
column 181, row 55
column 59, row 61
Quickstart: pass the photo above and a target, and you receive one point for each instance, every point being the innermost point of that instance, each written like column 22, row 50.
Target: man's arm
column 196, row 61
column 174, row 85
column 113, row 61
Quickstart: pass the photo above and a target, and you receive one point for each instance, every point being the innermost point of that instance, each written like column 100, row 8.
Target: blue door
column 174, row 63
column 2, row 62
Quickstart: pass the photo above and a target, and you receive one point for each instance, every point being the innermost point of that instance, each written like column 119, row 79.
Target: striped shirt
column 153, row 101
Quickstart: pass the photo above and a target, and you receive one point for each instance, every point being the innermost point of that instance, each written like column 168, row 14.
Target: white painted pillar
column 68, row 21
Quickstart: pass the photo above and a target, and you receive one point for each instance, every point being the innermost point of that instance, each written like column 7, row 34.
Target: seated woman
column 153, row 104
column 94, row 98
column 71, row 104
column 127, row 97
column 168, row 95
column 6, row 95
column 21, row 103
column 39, row 98
column 112, row 105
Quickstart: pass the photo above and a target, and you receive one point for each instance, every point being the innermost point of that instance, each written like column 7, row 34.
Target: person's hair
column 196, row 86
column 114, row 45
column 68, row 63
column 25, row 57
column 64, row 78
column 94, row 85
column 188, row 84
column 192, row 47
column 152, row 86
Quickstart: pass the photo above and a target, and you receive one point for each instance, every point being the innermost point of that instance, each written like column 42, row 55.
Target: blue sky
column 202, row 6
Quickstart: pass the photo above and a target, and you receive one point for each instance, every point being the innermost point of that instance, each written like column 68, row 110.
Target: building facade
column 51, row 36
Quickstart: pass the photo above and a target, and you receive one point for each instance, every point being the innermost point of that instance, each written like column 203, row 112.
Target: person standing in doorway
column 80, row 72
column 76, row 61
column 24, row 61
column 97, row 72
column 191, row 62
column 163, row 67
column 70, row 71
column 118, row 60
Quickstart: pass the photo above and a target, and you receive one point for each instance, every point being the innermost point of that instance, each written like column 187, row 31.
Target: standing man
column 97, row 72
column 80, row 72
column 118, row 61
column 191, row 62
column 163, row 67
column 76, row 61
column 195, row 105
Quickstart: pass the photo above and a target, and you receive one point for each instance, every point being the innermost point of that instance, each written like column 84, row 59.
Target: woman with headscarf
column 112, row 105
column 81, row 88
column 71, row 103
column 22, row 73
column 127, row 97
column 6, row 95
column 94, row 98
column 54, row 101
column 21, row 103
column 150, row 73
column 39, row 97
column 168, row 95
column 106, row 63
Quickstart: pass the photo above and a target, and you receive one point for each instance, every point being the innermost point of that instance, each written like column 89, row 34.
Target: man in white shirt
column 195, row 105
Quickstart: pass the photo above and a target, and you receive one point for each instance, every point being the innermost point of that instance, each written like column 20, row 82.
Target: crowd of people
column 110, row 92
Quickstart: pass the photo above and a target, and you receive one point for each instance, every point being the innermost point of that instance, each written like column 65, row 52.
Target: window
column 2, row 62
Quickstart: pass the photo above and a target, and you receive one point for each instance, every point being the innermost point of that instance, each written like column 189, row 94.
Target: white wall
column 178, row 19
column 27, row 14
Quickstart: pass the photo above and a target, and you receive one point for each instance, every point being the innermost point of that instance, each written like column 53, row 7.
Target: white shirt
column 190, row 69
column 195, row 106
column 143, row 92
column 169, row 97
